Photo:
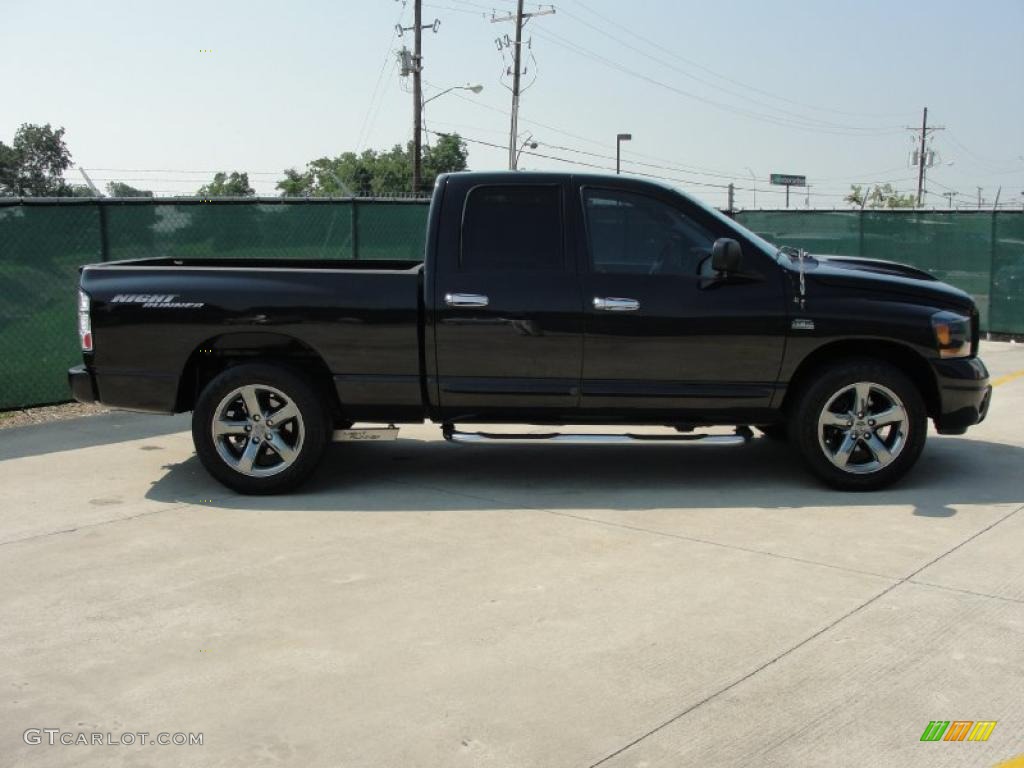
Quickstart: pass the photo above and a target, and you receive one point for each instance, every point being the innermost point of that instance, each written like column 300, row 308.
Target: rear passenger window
column 512, row 228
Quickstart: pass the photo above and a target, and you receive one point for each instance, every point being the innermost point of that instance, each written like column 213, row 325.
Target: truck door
column 507, row 319
column 662, row 336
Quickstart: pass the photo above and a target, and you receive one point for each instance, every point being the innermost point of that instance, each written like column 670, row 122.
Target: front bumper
column 964, row 394
column 83, row 387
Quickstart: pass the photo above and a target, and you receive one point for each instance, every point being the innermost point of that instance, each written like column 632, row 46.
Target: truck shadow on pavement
column 423, row 476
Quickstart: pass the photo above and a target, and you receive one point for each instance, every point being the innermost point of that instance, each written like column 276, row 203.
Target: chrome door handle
column 465, row 300
column 613, row 304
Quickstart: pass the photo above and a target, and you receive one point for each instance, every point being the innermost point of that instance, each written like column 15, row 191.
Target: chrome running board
column 743, row 434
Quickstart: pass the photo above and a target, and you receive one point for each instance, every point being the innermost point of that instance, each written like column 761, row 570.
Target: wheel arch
column 901, row 356
column 225, row 350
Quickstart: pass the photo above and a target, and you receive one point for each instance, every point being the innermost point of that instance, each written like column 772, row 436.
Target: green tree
column 120, row 189
column 384, row 173
column 224, row 185
column 884, row 196
column 448, row 155
column 34, row 163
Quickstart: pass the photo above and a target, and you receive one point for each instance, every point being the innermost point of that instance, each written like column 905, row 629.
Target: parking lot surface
column 427, row 604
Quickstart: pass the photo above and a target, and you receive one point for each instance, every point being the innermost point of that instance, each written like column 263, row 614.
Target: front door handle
column 465, row 300
column 613, row 304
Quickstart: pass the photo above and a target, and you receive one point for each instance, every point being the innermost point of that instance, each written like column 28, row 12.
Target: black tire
column 777, row 432
column 272, row 468
column 870, row 464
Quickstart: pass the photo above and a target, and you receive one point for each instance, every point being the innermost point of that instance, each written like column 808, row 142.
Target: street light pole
column 527, row 142
column 423, row 106
column 473, row 88
column 618, row 150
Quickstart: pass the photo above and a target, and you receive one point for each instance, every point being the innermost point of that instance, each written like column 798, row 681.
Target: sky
column 161, row 95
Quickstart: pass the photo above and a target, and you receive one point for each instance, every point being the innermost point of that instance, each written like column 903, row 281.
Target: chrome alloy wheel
column 863, row 428
column 258, row 430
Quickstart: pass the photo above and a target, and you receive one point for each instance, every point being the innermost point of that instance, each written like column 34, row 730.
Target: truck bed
column 155, row 320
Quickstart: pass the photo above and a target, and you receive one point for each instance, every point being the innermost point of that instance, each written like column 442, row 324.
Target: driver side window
column 629, row 233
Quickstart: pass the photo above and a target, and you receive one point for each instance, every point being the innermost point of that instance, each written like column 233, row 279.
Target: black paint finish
column 700, row 347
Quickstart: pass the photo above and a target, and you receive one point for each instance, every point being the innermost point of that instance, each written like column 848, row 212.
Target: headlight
column 952, row 334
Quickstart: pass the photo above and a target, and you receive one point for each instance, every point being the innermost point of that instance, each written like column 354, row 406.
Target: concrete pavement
column 426, row 604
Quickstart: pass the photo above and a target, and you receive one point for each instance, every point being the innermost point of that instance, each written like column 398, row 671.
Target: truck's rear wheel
column 860, row 425
column 259, row 428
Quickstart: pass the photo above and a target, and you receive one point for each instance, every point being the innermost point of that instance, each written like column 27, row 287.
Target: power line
column 986, row 163
column 697, row 169
column 671, row 65
column 676, row 55
column 840, row 131
column 877, row 177
column 611, row 169
column 368, row 126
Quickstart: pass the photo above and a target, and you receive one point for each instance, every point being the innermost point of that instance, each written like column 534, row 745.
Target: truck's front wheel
column 259, row 428
column 860, row 425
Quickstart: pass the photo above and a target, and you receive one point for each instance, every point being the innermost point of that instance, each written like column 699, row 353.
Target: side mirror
column 726, row 255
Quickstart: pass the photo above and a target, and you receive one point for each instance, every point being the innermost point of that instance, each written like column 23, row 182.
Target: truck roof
column 549, row 176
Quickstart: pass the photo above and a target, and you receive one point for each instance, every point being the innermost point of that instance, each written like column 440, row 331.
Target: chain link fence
column 42, row 244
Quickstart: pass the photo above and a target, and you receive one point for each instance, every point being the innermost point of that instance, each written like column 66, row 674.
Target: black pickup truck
column 544, row 299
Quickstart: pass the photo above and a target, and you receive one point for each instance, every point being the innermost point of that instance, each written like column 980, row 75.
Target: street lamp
column 472, row 88
column 618, row 149
column 421, row 128
column 530, row 142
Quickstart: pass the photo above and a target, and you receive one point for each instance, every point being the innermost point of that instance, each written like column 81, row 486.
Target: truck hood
column 881, row 276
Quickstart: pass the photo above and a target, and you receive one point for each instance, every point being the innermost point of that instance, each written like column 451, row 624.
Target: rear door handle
column 614, row 304
column 465, row 300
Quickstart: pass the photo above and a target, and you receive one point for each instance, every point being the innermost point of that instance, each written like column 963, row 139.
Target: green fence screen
column 42, row 244
column 40, row 251
column 981, row 252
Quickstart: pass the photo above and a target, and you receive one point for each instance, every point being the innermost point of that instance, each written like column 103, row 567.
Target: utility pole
column 520, row 20
column 513, row 159
column 416, row 69
column 922, row 152
column 979, row 197
column 417, row 98
column 732, row 197
column 949, row 196
column 920, row 157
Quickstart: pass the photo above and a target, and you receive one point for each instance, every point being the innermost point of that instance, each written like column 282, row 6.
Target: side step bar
column 742, row 435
